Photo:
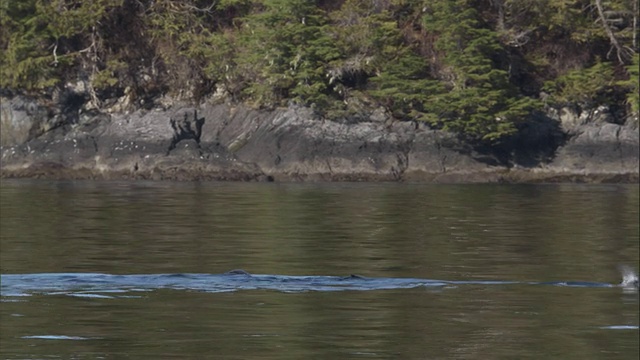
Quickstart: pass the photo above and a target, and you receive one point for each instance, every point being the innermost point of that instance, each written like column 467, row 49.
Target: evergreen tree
column 457, row 64
column 585, row 88
column 285, row 51
column 43, row 40
column 633, row 85
column 377, row 59
column 481, row 104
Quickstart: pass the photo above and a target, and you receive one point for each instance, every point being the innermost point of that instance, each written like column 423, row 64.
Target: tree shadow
column 535, row 143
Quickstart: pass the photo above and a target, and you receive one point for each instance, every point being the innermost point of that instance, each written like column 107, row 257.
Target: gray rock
column 608, row 148
column 22, row 119
column 223, row 142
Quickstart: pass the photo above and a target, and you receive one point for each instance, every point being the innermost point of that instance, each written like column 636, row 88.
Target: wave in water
column 97, row 285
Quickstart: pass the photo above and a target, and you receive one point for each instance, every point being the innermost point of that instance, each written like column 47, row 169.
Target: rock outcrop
column 224, row 142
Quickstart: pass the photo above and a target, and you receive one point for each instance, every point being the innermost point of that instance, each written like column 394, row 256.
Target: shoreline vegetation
column 512, row 84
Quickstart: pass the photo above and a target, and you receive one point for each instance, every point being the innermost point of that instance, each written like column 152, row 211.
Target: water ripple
column 104, row 286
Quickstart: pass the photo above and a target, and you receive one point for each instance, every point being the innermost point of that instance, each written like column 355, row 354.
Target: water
column 109, row 270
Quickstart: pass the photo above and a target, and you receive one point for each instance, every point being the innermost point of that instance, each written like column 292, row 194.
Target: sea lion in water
column 355, row 276
column 237, row 272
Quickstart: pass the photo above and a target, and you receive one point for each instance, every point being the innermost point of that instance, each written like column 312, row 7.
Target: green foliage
column 24, row 61
column 284, row 53
column 108, row 77
column 460, row 65
column 70, row 18
column 480, row 103
column 481, row 114
column 374, row 53
column 633, row 84
column 403, row 87
column 41, row 40
column 585, row 87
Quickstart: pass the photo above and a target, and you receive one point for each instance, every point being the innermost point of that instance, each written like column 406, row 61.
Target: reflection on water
column 465, row 233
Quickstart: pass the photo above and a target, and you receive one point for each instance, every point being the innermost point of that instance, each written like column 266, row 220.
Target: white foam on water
column 56, row 337
column 620, row 327
column 629, row 277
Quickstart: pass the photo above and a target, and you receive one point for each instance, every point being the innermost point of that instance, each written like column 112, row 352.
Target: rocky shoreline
column 237, row 143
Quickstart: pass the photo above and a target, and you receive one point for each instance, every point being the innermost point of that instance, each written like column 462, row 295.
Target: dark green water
column 499, row 233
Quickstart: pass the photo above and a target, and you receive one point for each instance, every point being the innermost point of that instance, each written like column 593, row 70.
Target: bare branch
column 55, row 55
column 620, row 51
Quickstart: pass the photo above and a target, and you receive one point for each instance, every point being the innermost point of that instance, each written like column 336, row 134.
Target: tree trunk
column 612, row 37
